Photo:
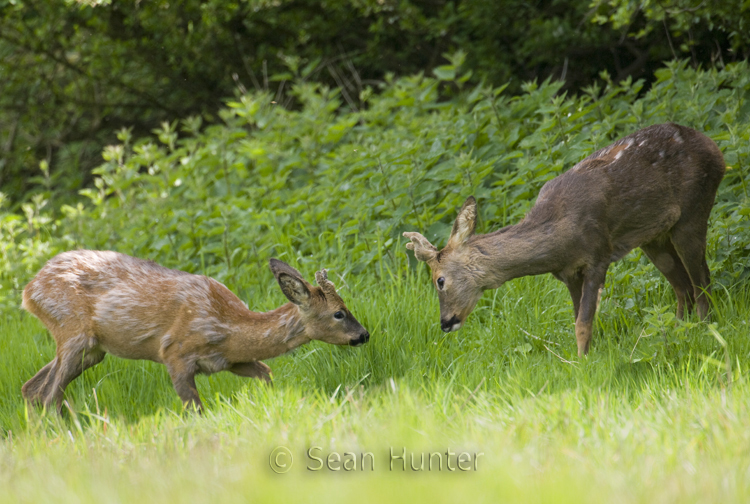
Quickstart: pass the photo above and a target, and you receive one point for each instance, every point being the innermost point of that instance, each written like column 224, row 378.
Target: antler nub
column 423, row 249
column 322, row 278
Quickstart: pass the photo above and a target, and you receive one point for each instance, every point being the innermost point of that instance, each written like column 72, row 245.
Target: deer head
column 325, row 317
column 456, row 270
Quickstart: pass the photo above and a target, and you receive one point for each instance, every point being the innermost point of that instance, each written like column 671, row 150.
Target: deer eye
column 339, row 315
column 441, row 283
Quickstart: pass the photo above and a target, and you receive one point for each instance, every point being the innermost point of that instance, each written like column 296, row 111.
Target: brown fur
column 653, row 189
column 99, row 302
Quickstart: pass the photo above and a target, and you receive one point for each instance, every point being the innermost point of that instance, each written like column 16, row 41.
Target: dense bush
column 73, row 73
column 335, row 187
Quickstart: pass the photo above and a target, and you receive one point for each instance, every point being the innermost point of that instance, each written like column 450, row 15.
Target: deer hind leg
column 33, row 390
column 664, row 256
column 255, row 369
column 73, row 358
column 690, row 245
column 593, row 280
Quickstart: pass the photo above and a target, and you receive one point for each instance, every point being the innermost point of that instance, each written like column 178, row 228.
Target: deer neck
column 266, row 335
column 515, row 251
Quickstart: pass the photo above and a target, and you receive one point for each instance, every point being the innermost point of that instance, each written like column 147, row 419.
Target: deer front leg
column 592, row 283
column 574, row 283
column 183, row 380
column 255, row 369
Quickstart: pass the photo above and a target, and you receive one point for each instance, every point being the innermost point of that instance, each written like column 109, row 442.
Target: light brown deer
column 653, row 189
column 96, row 302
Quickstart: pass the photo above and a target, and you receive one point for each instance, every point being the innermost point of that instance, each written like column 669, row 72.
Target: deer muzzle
column 452, row 324
column 363, row 338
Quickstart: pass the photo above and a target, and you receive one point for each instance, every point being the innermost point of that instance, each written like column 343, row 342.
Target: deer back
column 632, row 191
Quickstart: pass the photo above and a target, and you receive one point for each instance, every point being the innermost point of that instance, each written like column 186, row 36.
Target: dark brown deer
column 653, row 189
column 96, row 303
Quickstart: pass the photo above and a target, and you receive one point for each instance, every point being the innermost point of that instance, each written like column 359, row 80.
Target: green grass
column 657, row 413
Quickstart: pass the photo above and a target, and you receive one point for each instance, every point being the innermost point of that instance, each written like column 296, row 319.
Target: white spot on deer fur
column 642, row 143
column 677, row 138
column 661, row 153
column 619, row 154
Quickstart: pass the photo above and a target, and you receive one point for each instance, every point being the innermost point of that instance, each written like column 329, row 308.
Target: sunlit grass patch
column 623, row 425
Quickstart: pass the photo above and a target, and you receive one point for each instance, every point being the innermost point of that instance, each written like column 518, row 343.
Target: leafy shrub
column 75, row 72
column 326, row 186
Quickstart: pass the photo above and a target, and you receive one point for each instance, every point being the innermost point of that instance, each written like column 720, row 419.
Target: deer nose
column 363, row 338
column 453, row 324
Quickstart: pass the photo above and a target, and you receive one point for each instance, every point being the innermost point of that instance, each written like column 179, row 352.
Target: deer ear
column 423, row 249
column 465, row 223
column 294, row 287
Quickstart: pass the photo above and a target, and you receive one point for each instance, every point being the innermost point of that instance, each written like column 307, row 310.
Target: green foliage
column 76, row 72
column 682, row 17
column 337, row 187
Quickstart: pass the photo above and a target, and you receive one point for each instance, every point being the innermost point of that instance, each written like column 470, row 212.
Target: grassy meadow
column 643, row 419
column 503, row 409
